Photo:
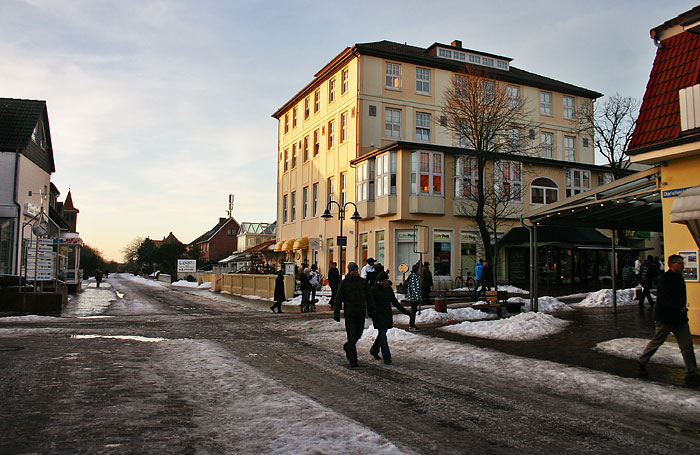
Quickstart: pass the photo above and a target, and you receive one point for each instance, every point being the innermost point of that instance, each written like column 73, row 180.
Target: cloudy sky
column 160, row 109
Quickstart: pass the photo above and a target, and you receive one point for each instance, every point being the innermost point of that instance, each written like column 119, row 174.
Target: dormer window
column 473, row 58
column 38, row 135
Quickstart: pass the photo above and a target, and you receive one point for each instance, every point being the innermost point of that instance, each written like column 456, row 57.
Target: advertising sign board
column 186, row 265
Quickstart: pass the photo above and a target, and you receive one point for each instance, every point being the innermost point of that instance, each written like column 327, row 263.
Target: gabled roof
column 68, row 205
column 18, row 118
column 207, row 236
column 421, row 56
column 676, row 66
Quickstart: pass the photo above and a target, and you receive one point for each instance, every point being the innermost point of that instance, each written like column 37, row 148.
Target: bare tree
column 489, row 120
column 131, row 250
column 610, row 126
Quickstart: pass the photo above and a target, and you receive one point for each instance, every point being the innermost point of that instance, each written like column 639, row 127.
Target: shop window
column 442, row 253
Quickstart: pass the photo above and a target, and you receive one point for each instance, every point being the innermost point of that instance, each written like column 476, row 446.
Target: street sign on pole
column 342, row 240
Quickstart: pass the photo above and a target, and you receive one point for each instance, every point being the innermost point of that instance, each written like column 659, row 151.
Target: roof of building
column 166, row 240
column 680, row 19
column 68, row 205
column 207, row 236
column 422, row 56
column 261, row 247
column 257, row 228
column 18, row 118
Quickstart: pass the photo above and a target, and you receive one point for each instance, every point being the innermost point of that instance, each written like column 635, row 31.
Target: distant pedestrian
column 487, row 276
column 305, row 287
column 648, row 274
column 315, row 280
column 333, row 280
column 671, row 316
column 638, row 270
column 280, row 295
column 478, row 277
column 98, row 277
column 413, row 294
column 355, row 300
column 383, row 318
column 426, row 284
column 368, row 272
column 628, row 276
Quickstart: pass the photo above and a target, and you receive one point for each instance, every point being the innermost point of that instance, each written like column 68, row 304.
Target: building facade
column 368, row 130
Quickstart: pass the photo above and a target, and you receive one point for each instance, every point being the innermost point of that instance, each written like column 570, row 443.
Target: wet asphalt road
column 61, row 393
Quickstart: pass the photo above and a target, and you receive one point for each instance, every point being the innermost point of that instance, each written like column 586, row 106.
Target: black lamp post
column 341, row 216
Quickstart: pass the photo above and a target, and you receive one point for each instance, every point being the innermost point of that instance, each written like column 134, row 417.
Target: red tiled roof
column 676, row 66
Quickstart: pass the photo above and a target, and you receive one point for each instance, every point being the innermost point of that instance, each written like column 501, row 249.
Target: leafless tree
column 489, row 120
column 131, row 250
column 610, row 126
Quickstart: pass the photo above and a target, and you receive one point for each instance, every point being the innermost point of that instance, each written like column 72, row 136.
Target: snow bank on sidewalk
column 141, row 280
column 546, row 304
column 631, row 348
column 521, row 327
column 430, row 316
column 603, row 298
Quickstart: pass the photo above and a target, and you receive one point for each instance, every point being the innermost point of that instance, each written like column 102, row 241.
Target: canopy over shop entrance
column 686, row 210
column 632, row 202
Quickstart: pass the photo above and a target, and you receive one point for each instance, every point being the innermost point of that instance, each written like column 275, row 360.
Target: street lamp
column 341, row 216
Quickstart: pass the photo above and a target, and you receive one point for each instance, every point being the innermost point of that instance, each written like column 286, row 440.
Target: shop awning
column 301, row 244
column 278, row 246
column 233, row 258
column 563, row 237
column 288, row 245
column 686, row 210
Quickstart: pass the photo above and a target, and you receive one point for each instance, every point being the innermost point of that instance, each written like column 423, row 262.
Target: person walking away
column 368, row 272
column 671, row 316
column 355, row 300
column 333, row 281
column 413, row 295
column 383, row 317
column 487, row 275
column 279, row 292
column 638, row 270
column 648, row 274
column 305, row 287
column 478, row 277
column 628, row 275
column 314, row 279
column 98, row 277
column 426, row 284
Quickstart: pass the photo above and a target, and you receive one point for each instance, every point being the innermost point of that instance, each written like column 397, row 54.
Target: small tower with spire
column 70, row 213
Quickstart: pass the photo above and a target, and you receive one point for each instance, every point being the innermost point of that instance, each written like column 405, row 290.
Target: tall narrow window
column 345, row 81
column 307, row 108
column 294, row 155
column 577, row 181
column 422, row 127
column 331, row 91
column 426, row 173
column 570, row 148
column 331, row 134
column 286, row 160
column 392, row 123
column 343, row 187
column 423, row 81
column 317, row 142
column 466, row 177
column 314, row 198
column 386, row 174
column 330, row 188
column 547, row 145
column 489, row 91
column 284, row 208
column 514, row 97
column 515, row 140
column 365, row 181
column 393, row 76
column 344, row 127
column 568, row 107
column 317, row 101
column 546, row 103
column 294, row 117
column 509, row 178
column 305, row 202
column 293, row 206
column 306, row 148
column 286, row 123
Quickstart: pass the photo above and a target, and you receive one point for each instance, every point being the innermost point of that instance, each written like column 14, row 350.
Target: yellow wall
column 681, row 173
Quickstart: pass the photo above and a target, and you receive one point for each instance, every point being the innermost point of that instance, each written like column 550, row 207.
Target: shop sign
column 674, row 193
column 186, row 265
column 469, row 237
column 31, row 209
column 442, row 235
column 638, row 234
column 341, row 240
column 406, row 236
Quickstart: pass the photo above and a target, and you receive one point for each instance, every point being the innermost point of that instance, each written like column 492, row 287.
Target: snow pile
column 430, row 316
column 185, row 284
column 545, row 304
column 392, row 335
column 141, row 280
column 324, row 300
column 603, row 298
column 522, row 327
column 631, row 348
column 28, row 318
column 511, row 289
column 205, row 285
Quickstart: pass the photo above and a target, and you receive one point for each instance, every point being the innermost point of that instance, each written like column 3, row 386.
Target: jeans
column 305, row 293
column 646, row 294
column 476, row 291
column 412, row 318
column 685, row 343
column 381, row 343
column 354, row 328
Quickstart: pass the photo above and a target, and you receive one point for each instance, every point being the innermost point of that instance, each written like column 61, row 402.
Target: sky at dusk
column 159, row 109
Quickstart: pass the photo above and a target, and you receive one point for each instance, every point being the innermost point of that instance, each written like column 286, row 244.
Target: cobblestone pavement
column 86, row 383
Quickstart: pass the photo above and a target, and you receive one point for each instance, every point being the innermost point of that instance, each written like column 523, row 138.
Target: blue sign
column 674, row 193
column 341, row 240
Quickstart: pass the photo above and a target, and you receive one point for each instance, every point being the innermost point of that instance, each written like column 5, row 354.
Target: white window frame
column 545, row 190
column 345, row 81
column 343, row 127
column 423, row 120
column 284, row 208
column 386, row 174
column 392, row 123
column 435, row 160
column 307, row 107
column 515, row 140
column 365, row 181
column 392, row 76
column 570, row 148
column 331, row 134
column 508, row 176
column 331, row 91
column 317, row 142
column 314, row 199
column 292, row 207
column 466, row 177
column 317, row 101
column 305, row 202
column 546, row 103
column 514, row 101
column 547, row 148
column 569, row 106
column 577, row 181
column 330, row 188
column 423, row 81
column 305, row 153
column 295, row 112
column 343, row 187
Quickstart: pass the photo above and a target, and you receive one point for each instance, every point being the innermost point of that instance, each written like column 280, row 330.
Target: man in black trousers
column 355, row 299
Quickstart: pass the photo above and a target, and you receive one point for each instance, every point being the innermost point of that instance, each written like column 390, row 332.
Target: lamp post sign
column 342, row 240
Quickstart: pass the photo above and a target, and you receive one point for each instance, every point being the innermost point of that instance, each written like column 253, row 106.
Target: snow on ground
column 545, row 304
column 430, row 316
column 603, row 298
column 323, row 300
column 521, row 327
column 28, row 318
column 141, row 280
column 631, row 348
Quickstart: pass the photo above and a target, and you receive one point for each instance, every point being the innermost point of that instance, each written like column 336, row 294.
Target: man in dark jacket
column 671, row 316
column 426, row 284
column 383, row 318
column 647, row 272
column 355, row 299
column 333, row 281
column 279, row 292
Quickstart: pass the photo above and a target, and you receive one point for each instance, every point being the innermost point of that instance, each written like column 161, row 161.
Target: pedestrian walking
column 671, row 316
column 355, row 300
column 628, row 276
column 368, row 272
column 648, row 274
column 413, row 294
column 638, row 270
column 478, row 277
column 98, row 277
column 305, row 287
column 487, row 275
column 426, row 284
column 315, row 280
column 279, row 295
column 333, row 281
column 383, row 317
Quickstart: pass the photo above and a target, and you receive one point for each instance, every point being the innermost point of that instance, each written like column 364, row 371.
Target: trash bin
column 440, row 305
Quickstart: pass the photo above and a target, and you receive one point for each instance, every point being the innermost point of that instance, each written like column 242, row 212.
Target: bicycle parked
column 462, row 281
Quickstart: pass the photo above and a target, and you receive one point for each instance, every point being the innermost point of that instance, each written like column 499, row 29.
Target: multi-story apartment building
column 367, row 129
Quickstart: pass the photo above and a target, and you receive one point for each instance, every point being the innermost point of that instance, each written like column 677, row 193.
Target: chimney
column 457, row 43
column 222, row 220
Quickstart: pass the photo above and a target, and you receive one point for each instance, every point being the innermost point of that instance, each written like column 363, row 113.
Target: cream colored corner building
column 367, row 130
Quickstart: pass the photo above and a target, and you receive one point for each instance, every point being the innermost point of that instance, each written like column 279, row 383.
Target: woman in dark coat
column 383, row 318
column 279, row 292
column 305, row 287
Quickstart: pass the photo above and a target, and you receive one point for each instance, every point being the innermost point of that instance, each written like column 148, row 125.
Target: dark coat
column 305, row 282
column 333, row 277
column 279, row 289
column 384, row 298
column 648, row 273
column 426, row 281
column 671, row 299
column 354, row 297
